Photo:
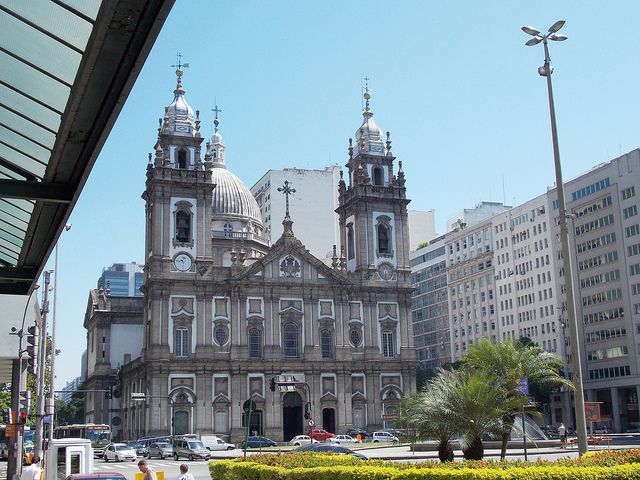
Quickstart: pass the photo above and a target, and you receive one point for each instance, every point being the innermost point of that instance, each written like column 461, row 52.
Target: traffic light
column 307, row 411
column 25, row 403
column 7, row 417
column 23, row 417
column 108, row 394
column 272, row 384
column 32, row 348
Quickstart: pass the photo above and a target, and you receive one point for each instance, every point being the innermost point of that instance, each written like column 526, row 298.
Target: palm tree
column 509, row 362
column 425, row 413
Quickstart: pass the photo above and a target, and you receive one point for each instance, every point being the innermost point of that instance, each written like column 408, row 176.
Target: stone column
column 615, row 410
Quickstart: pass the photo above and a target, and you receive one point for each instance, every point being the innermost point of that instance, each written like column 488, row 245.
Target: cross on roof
column 179, row 65
column 216, row 110
column 287, row 190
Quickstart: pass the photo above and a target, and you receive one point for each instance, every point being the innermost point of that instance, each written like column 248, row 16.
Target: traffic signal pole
column 41, row 370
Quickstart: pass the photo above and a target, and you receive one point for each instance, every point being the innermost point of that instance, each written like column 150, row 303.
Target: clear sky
column 452, row 81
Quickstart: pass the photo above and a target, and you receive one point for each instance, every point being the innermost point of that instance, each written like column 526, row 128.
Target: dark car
column 139, row 448
column 96, row 476
column 323, row 447
column 259, row 442
column 354, row 432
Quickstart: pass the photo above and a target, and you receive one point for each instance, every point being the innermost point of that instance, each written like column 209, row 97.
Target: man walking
column 32, row 472
column 562, row 431
column 149, row 474
column 184, row 473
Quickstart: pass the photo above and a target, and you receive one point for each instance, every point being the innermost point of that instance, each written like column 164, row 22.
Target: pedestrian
column 149, row 474
column 184, row 473
column 33, row 471
column 562, row 431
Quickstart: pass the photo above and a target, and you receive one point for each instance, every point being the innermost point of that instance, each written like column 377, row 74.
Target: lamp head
column 557, row 37
column 534, row 41
column 531, row 31
column 556, row 26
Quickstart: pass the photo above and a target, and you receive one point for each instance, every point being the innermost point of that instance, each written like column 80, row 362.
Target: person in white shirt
column 562, row 431
column 184, row 473
column 32, row 472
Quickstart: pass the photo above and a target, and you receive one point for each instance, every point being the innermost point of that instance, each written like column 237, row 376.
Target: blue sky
column 452, row 81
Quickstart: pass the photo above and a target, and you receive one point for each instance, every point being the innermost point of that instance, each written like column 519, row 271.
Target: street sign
column 390, row 416
column 10, row 431
column 311, row 423
column 138, row 396
column 523, row 385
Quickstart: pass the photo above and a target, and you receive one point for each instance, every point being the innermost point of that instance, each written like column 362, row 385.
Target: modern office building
column 122, row 279
column 469, row 216
column 422, row 227
column 313, row 205
column 68, row 390
column 429, row 305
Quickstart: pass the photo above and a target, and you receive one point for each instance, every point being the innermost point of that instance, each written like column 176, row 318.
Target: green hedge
column 609, row 465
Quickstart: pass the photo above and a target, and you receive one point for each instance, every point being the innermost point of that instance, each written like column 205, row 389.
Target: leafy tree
column 72, row 412
column 509, row 362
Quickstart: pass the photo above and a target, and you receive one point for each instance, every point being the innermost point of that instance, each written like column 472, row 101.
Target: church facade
column 225, row 312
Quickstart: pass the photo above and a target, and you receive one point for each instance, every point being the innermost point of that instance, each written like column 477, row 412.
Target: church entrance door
column 291, row 415
column 329, row 420
column 181, row 423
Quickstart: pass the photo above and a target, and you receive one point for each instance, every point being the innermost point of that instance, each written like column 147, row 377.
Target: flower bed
column 609, row 465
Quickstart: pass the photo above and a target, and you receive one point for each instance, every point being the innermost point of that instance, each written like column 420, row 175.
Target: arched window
column 290, row 340
column 183, row 227
column 378, row 176
column 221, row 335
column 383, row 238
column 255, row 343
column 182, row 159
column 355, row 335
column 351, row 247
column 326, row 343
column 388, row 344
column 181, row 345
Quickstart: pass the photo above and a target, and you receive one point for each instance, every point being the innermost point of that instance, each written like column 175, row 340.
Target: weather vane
column 179, row 65
column 287, row 190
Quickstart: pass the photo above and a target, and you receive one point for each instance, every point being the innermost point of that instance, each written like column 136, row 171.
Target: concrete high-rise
column 122, row 279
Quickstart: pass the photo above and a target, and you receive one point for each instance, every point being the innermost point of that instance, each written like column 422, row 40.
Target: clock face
column 385, row 270
column 182, row 262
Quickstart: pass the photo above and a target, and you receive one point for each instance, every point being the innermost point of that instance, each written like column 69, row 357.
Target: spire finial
column 287, row 190
column 179, row 66
column 367, row 94
column 216, row 111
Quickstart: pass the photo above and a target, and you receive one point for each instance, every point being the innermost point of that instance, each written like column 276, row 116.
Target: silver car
column 119, row 452
column 160, row 449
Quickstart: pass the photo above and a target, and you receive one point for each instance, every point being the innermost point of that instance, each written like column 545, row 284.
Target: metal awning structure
column 66, row 69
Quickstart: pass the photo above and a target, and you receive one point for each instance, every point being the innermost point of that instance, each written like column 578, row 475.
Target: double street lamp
column 141, row 397
column 546, row 70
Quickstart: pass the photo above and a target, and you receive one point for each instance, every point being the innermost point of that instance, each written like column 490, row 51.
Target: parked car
column 320, row 434
column 354, row 432
column 191, row 449
column 325, row 447
column 139, row 448
column 119, row 452
column 338, row 439
column 301, row 440
column 383, row 437
column 259, row 442
column 213, row 443
column 161, row 450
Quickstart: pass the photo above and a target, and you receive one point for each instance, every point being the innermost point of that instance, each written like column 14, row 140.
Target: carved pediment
column 182, row 304
column 328, row 397
column 221, row 398
column 358, row 397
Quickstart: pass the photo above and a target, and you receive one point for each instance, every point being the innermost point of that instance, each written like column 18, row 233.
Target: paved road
column 200, row 470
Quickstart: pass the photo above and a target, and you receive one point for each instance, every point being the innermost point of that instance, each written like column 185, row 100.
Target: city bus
column 98, row 434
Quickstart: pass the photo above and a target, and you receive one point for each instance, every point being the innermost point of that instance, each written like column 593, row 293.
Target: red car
column 320, row 434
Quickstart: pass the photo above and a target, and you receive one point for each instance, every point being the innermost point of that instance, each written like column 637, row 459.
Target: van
column 189, row 448
column 214, row 443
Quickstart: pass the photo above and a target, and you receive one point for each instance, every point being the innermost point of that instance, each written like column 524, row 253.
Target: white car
column 383, row 437
column 338, row 439
column 213, row 443
column 302, row 440
column 119, row 452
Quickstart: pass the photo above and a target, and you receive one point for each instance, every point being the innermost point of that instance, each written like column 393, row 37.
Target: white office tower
column 470, row 216
column 471, row 282
column 422, row 228
column 605, row 246
column 312, row 204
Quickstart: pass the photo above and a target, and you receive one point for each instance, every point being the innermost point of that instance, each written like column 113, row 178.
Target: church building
column 225, row 312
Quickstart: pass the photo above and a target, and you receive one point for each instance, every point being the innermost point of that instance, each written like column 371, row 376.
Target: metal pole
column 572, row 321
column 51, row 401
column 524, row 434
column 41, row 369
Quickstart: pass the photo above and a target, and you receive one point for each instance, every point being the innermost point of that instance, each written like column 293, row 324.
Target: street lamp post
column 54, row 350
column 572, row 322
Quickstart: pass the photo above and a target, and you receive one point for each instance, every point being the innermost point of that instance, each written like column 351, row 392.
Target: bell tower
column 373, row 206
column 178, row 199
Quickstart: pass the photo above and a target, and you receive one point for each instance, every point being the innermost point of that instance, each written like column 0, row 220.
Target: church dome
column 232, row 198
column 369, row 137
column 179, row 114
